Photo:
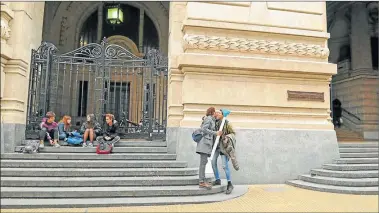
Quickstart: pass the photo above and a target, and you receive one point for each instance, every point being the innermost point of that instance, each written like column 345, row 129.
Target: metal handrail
column 351, row 114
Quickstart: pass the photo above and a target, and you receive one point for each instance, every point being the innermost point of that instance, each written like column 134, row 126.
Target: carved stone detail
column 5, row 30
column 255, row 46
column 6, row 17
column 64, row 27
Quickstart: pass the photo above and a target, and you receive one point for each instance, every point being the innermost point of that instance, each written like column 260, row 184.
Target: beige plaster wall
column 22, row 22
column 245, row 56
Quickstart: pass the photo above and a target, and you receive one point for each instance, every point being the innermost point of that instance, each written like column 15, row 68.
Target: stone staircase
column 356, row 172
column 137, row 173
column 346, row 135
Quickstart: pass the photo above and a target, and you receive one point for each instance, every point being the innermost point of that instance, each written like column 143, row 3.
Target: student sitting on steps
column 49, row 130
column 110, row 131
column 90, row 129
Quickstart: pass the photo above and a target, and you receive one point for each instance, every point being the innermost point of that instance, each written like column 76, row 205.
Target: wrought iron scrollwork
column 44, row 49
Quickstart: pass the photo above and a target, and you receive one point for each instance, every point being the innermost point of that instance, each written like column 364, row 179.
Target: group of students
column 90, row 129
column 210, row 129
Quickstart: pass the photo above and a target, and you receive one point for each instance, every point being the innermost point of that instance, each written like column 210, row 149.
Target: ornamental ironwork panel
column 99, row 79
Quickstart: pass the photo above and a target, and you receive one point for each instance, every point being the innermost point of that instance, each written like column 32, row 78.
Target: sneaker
column 205, row 185
column 90, row 144
column 216, row 182
column 229, row 188
column 41, row 144
column 84, row 144
column 56, row 145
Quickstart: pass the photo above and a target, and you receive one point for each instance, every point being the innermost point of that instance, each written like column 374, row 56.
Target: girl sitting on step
column 91, row 128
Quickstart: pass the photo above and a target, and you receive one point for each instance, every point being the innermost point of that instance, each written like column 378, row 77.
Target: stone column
column 15, row 68
column 265, row 63
column 361, row 59
column 100, row 18
column 140, row 29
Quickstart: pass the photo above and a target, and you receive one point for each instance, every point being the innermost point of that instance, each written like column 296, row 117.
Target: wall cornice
column 204, row 42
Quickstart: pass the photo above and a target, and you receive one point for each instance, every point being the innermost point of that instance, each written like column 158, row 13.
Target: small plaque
column 305, row 96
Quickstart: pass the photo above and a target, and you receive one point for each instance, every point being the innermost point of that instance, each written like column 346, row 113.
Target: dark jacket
column 228, row 129
column 111, row 131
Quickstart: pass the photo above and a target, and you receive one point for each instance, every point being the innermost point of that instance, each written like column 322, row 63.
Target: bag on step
column 74, row 140
column 104, row 148
column 29, row 148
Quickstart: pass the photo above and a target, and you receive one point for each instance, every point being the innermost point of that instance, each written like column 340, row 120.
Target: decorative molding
column 254, row 46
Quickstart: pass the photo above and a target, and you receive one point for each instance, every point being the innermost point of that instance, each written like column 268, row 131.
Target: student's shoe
column 41, row 144
column 56, row 145
column 84, row 144
column 229, row 188
column 90, row 144
column 217, row 182
column 205, row 185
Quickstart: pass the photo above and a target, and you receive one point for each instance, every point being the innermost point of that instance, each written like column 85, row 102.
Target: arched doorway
column 124, row 75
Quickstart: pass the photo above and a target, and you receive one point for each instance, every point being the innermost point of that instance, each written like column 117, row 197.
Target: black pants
column 43, row 134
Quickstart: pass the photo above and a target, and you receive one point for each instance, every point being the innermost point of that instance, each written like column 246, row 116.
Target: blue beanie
column 225, row 112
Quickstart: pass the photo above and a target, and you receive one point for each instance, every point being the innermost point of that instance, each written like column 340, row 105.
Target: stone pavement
column 259, row 198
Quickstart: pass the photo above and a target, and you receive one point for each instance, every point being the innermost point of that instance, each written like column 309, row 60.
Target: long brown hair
column 210, row 111
column 64, row 121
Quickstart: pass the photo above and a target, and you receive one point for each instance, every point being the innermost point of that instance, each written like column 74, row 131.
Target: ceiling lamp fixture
column 115, row 15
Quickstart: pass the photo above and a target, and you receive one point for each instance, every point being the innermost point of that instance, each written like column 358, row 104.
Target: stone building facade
column 353, row 28
column 268, row 62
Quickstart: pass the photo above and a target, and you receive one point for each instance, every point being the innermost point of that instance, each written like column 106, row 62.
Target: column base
column 371, row 135
column 266, row 156
column 12, row 134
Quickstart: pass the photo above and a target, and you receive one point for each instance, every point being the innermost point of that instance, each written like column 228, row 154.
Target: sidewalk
column 259, row 198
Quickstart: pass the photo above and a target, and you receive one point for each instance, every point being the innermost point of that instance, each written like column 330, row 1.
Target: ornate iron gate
column 99, row 79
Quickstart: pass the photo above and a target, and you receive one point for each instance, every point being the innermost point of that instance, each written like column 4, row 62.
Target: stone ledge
column 224, row 62
column 249, row 27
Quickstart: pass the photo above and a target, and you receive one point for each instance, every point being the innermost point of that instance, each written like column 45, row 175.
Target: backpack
column 29, row 148
column 74, row 140
column 104, row 148
column 197, row 135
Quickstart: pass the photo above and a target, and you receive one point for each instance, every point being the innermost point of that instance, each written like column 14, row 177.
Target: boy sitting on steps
column 49, row 130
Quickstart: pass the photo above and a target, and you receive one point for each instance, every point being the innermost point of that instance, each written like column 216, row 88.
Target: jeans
column 203, row 163
column 62, row 136
column 225, row 165
column 114, row 140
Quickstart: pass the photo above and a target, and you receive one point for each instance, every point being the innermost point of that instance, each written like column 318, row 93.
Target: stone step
column 98, row 181
column 357, row 161
column 350, row 167
column 346, row 174
column 334, row 189
column 350, row 182
column 359, row 145
column 89, row 156
column 99, row 172
column 204, row 196
column 360, row 155
column 358, row 150
column 102, row 192
column 91, row 164
column 78, row 149
column 141, row 144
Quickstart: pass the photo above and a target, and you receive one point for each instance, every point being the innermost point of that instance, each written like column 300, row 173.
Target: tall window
column 83, row 98
column 89, row 30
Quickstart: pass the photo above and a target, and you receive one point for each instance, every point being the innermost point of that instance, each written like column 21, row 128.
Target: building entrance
column 99, row 79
